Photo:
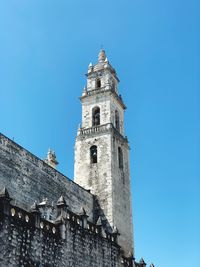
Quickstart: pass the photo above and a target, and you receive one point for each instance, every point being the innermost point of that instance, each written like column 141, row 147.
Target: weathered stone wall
column 116, row 106
column 103, row 102
column 106, row 180
column 29, row 179
column 95, row 177
column 102, row 74
column 29, row 240
column 121, row 193
column 107, row 104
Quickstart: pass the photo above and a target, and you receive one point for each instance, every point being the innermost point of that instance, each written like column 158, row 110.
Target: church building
column 48, row 220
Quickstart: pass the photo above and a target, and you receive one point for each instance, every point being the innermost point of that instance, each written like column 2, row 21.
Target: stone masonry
column 29, row 179
column 58, row 231
column 109, row 177
column 46, row 219
column 29, row 239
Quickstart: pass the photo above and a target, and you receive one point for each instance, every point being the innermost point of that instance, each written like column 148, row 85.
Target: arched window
column 93, row 154
column 120, row 158
column 112, row 83
column 98, row 83
column 117, row 120
column 96, row 116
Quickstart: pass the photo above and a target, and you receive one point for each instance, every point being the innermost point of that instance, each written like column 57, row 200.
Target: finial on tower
column 102, row 56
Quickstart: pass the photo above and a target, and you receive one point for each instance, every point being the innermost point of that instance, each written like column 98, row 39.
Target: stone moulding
column 102, row 129
column 104, row 90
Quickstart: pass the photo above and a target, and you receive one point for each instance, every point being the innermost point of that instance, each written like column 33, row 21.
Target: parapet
column 54, row 234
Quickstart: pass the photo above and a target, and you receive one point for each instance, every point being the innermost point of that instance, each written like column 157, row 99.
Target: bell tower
column 102, row 150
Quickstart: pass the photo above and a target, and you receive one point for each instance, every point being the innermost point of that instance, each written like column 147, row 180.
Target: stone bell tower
column 102, row 150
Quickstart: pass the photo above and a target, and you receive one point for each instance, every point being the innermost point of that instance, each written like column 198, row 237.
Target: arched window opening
column 93, row 154
column 113, row 86
column 96, row 116
column 120, row 158
column 98, row 83
column 117, row 120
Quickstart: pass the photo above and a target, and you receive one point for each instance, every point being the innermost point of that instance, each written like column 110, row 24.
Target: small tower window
column 93, row 154
column 117, row 120
column 96, row 116
column 98, row 83
column 112, row 83
column 120, row 158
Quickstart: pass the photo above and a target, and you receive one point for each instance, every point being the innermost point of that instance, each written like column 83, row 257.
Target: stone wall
column 105, row 179
column 88, row 103
column 27, row 239
column 107, row 102
column 121, row 192
column 30, row 179
column 96, row 177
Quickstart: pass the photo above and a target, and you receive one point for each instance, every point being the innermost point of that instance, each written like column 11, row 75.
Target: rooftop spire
column 102, row 56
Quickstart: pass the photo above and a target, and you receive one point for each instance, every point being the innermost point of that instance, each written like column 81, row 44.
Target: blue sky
column 45, row 50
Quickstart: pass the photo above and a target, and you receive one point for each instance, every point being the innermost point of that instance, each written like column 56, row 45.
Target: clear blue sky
column 45, row 49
